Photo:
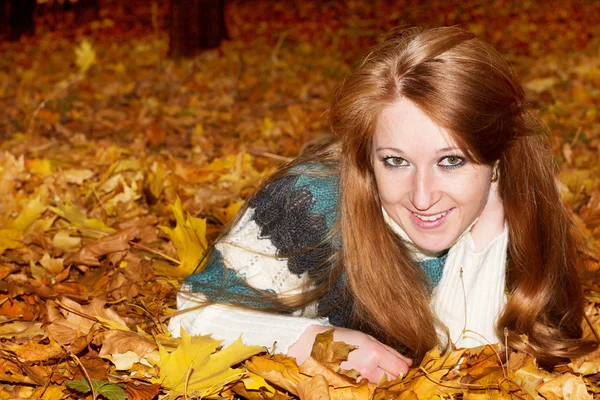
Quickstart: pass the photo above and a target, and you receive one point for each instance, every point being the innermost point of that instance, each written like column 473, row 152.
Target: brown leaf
column 95, row 367
column 141, row 390
column 331, row 353
column 34, row 352
column 119, row 342
column 116, row 242
column 526, row 374
column 25, row 307
column 280, row 370
column 315, row 388
column 566, row 386
column 21, row 329
column 11, row 372
column 363, row 391
column 312, row 367
column 79, row 320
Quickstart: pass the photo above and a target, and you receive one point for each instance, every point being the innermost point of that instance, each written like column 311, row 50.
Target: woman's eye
column 452, row 161
column 395, row 161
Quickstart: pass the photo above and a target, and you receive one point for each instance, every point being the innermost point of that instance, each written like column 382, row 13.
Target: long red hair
column 465, row 86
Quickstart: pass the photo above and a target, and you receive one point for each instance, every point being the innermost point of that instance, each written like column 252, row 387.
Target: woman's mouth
column 430, row 220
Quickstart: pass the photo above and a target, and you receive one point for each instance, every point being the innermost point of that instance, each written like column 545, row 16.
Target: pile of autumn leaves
column 57, row 258
column 94, row 243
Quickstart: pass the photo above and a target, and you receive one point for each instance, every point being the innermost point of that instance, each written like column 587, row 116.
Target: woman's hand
column 491, row 220
column 372, row 358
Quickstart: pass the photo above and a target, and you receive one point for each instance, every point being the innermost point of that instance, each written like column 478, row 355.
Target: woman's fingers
column 372, row 359
column 375, row 375
column 392, row 364
column 394, row 351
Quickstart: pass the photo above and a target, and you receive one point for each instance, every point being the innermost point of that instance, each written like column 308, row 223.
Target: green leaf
column 109, row 390
column 81, row 385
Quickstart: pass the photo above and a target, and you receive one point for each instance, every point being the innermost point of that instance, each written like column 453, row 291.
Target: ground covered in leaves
column 118, row 167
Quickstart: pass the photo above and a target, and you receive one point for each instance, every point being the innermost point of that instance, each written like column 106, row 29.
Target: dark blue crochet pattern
column 296, row 213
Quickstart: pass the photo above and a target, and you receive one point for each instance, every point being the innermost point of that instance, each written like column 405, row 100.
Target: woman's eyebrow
column 395, row 149
column 452, row 148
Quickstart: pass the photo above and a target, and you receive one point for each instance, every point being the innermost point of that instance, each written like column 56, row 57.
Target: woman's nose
column 425, row 190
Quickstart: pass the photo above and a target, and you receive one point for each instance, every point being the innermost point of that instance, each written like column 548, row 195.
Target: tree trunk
column 86, row 11
column 196, row 25
column 21, row 18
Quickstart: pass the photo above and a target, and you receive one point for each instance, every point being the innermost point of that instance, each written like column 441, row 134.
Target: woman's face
column 425, row 182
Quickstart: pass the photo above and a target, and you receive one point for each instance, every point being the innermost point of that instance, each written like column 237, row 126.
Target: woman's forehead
column 404, row 126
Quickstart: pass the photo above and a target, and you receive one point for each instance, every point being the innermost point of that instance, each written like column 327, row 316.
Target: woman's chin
column 430, row 248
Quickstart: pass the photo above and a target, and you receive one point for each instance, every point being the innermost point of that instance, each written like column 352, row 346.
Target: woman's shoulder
column 291, row 217
column 304, row 192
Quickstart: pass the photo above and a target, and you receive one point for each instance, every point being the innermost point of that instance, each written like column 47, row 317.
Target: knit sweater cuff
column 276, row 332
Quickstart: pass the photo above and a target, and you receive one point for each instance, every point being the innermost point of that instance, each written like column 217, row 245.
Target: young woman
column 430, row 218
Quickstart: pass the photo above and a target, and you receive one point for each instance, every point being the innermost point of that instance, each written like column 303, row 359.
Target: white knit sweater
column 468, row 299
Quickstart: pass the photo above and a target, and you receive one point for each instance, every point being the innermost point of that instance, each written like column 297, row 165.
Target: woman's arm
column 275, row 332
column 288, row 334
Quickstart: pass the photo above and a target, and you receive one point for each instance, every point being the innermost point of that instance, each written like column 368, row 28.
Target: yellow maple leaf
column 40, row 167
column 10, row 239
column 11, row 236
column 85, row 56
column 29, row 214
column 78, row 219
column 195, row 366
column 189, row 238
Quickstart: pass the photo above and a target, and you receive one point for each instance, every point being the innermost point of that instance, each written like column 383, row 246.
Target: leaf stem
column 85, row 373
column 158, row 253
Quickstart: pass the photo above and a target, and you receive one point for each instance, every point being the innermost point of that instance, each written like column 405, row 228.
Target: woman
column 398, row 230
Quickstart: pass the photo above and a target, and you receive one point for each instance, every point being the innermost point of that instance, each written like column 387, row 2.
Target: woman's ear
column 495, row 171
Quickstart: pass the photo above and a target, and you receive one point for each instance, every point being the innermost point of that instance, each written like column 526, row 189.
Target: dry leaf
column 566, row 386
column 315, row 388
column 90, row 254
column 279, row 370
column 119, row 342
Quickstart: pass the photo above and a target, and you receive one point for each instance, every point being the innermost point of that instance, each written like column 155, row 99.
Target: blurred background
column 194, row 81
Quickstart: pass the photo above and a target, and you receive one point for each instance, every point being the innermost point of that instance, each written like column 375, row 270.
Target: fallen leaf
column 80, row 220
column 118, row 342
column 196, row 367
column 279, row 370
column 331, row 353
column 189, row 238
column 90, row 254
column 315, row 388
column 566, row 386
column 21, row 329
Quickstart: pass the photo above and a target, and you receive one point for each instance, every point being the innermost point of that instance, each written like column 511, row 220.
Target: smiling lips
column 429, row 221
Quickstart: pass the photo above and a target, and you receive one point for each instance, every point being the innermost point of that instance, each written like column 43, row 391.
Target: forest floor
column 119, row 166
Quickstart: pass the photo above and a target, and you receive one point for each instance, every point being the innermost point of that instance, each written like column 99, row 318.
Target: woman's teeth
column 431, row 217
